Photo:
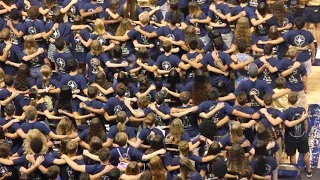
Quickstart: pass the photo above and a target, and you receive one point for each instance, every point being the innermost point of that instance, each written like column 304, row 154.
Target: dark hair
column 104, row 154
column 267, row 99
column 121, row 89
column 4, row 150
column 8, row 80
column 53, row 172
column 9, row 109
column 214, row 148
column 2, row 136
column 92, row 91
column 267, row 49
column 23, row 73
column 31, row 113
column 33, row 12
column 116, row 52
column 36, row 145
column 114, row 174
column 60, row 43
column 219, row 168
column 72, row 64
column 193, row 44
column 146, row 175
column 174, row 19
column 95, row 129
column 262, row 8
column 242, row 98
column 185, row 97
column 216, row 34
column 280, row 82
column 208, row 129
column 65, row 98
column 57, row 16
column 299, row 22
column 167, row 46
column 143, row 54
column 200, row 87
column 218, row 43
column 293, row 98
column 213, row 94
column 242, row 46
column 14, row 14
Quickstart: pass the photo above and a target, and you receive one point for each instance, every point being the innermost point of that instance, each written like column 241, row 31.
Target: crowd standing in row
column 106, row 89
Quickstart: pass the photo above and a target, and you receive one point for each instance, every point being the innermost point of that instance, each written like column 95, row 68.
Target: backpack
column 123, row 165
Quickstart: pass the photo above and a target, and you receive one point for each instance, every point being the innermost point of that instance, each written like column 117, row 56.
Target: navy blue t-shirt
column 266, row 75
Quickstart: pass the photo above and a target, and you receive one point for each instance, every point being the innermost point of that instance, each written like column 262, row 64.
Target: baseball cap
column 253, row 70
column 161, row 96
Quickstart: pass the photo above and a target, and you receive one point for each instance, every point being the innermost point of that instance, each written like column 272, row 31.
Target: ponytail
column 121, row 119
column 46, row 73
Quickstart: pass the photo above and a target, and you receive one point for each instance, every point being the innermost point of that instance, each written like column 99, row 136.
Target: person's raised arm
column 303, row 117
column 291, row 69
column 66, row 9
column 156, row 153
column 73, row 165
column 212, row 112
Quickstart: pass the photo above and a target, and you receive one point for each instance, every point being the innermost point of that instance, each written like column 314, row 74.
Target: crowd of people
column 107, row 89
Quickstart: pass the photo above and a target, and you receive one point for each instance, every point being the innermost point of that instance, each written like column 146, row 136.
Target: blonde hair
column 157, row 168
column 194, row 9
column 292, row 52
column 46, row 74
column 124, row 26
column 65, row 127
column 98, row 27
column 1, row 75
column 35, row 133
column 242, row 31
column 130, row 9
column 96, row 48
column 30, row 45
column 176, row 131
column 186, row 168
column 150, row 119
column 236, row 132
column 144, row 17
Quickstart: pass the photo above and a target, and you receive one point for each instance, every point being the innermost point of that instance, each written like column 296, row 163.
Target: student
column 12, row 126
column 281, row 103
column 113, row 106
column 295, row 74
column 263, row 166
column 254, row 88
column 294, row 119
column 32, row 123
column 219, row 112
column 53, row 172
column 147, row 134
column 120, row 127
column 246, row 124
column 187, row 170
column 59, row 57
column 129, row 153
column 302, row 40
column 74, row 80
column 16, row 28
column 263, row 63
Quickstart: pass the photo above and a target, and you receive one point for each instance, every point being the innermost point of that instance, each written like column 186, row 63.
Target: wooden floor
column 313, row 94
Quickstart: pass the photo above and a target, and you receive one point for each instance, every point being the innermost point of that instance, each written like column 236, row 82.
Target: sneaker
column 309, row 174
column 318, row 53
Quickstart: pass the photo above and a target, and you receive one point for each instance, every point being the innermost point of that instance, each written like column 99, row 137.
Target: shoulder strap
column 128, row 150
column 119, row 152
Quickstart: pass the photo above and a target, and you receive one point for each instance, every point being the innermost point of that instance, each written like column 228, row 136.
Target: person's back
column 241, row 74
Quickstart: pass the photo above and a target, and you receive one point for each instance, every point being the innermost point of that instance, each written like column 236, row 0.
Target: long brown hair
column 96, row 129
column 132, row 169
column 101, row 79
column 200, row 87
column 121, row 119
column 35, row 133
column 130, row 10
column 186, row 168
column 194, row 9
column 30, row 45
column 20, row 81
column 279, row 12
column 176, row 131
column 263, row 133
column 242, row 31
column 124, row 26
column 63, row 146
column 237, row 160
column 236, row 132
column 65, row 127
column 157, row 169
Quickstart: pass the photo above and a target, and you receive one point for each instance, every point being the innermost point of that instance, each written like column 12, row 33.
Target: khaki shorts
column 308, row 66
column 302, row 99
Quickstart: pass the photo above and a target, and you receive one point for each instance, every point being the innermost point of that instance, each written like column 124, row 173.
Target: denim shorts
column 311, row 14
